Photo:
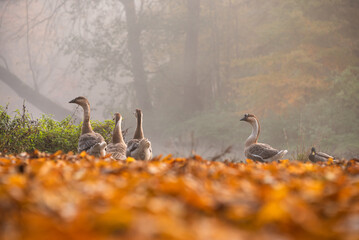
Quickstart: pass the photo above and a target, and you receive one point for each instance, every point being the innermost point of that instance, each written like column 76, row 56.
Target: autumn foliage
column 67, row 196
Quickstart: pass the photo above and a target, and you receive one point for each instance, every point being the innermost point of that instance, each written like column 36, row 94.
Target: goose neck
column 117, row 133
column 253, row 138
column 139, row 129
column 86, row 126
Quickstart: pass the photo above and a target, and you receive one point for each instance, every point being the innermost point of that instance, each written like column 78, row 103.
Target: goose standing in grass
column 259, row 151
column 118, row 146
column 89, row 141
column 318, row 156
column 139, row 147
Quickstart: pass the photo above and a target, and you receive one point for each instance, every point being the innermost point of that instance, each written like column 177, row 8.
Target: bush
column 21, row 133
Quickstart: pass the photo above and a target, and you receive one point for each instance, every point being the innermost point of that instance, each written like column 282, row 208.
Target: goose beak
column 72, row 101
column 243, row 119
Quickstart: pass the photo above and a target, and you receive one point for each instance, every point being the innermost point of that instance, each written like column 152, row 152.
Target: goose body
column 318, row 156
column 118, row 146
column 259, row 151
column 89, row 141
column 139, row 147
column 92, row 143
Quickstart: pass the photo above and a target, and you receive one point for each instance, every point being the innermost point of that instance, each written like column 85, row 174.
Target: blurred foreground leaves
column 67, row 196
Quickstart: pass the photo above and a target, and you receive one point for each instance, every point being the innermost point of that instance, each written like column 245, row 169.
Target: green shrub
column 21, row 133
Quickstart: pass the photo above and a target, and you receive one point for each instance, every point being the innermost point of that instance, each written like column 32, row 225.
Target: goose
column 259, row 151
column 139, row 147
column 89, row 141
column 318, row 156
column 118, row 146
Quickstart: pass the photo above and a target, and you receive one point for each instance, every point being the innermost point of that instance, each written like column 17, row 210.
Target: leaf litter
column 57, row 196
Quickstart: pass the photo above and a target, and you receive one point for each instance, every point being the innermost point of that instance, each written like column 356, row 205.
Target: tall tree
column 192, row 99
column 134, row 47
column 112, row 48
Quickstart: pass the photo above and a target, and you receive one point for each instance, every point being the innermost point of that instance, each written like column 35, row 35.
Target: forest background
column 194, row 67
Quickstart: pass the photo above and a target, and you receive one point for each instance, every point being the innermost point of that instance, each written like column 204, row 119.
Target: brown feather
column 88, row 140
column 263, row 150
column 118, row 150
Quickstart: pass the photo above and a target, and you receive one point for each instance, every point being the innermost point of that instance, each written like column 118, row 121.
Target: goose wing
column 139, row 149
column 132, row 145
column 324, row 155
column 145, row 150
column 261, row 150
column 320, row 158
column 118, row 150
column 98, row 150
column 88, row 140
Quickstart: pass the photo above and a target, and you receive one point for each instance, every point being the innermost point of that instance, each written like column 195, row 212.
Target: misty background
column 194, row 68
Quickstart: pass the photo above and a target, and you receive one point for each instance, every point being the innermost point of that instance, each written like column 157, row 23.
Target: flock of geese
column 94, row 144
column 140, row 148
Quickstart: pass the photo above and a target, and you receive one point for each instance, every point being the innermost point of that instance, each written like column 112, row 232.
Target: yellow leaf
column 83, row 154
column 284, row 161
column 272, row 212
column 168, row 157
column 17, row 180
column 57, row 153
column 280, row 191
column 249, row 160
column 130, row 159
column 36, row 152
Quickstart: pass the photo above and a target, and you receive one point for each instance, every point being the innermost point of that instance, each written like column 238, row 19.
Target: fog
column 194, row 68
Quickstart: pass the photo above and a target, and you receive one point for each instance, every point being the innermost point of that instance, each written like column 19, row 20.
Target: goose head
column 249, row 118
column 117, row 117
column 138, row 113
column 312, row 151
column 312, row 155
column 253, row 121
column 82, row 101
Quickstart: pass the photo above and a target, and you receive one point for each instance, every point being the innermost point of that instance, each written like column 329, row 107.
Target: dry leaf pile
column 66, row 196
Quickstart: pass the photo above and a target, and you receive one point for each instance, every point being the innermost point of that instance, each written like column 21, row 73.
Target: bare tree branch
column 5, row 62
column 3, row 11
column 28, row 48
column 17, row 34
column 42, row 102
column 225, row 152
column 50, row 16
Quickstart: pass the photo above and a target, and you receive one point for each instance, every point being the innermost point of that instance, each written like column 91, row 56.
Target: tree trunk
column 134, row 47
column 192, row 97
column 215, row 53
column 43, row 103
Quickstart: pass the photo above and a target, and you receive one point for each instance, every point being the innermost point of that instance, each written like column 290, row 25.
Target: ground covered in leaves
column 66, row 196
